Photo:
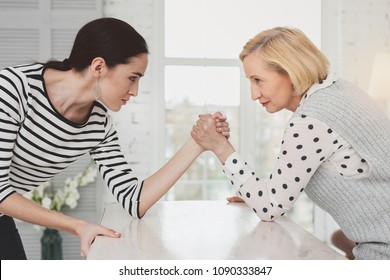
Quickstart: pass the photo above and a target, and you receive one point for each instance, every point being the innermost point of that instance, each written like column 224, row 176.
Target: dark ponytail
column 112, row 39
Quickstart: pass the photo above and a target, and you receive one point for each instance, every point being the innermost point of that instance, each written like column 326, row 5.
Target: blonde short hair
column 289, row 51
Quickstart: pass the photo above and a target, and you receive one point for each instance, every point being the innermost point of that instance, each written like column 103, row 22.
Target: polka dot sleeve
column 307, row 143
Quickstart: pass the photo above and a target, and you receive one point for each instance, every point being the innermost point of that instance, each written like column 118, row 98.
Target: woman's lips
column 264, row 103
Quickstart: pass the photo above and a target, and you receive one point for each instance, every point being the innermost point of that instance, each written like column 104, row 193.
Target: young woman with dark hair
column 53, row 113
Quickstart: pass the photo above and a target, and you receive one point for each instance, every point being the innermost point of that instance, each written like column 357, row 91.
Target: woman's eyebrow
column 138, row 74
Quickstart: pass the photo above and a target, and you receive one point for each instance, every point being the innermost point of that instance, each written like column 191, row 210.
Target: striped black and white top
column 37, row 142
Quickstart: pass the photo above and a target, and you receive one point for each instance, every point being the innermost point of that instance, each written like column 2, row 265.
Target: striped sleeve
column 116, row 172
column 12, row 91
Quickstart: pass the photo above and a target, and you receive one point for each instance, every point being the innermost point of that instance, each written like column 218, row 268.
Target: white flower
column 41, row 189
column 73, row 193
column 71, row 201
column 86, row 180
column 29, row 195
column 58, row 200
column 67, row 181
column 46, row 202
column 55, row 199
column 73, row 184
column 89, row 176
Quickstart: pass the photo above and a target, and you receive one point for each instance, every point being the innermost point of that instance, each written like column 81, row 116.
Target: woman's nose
column 133, row 91
column 255, row 94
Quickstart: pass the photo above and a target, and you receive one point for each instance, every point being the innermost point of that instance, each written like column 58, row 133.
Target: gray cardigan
column 360, row 206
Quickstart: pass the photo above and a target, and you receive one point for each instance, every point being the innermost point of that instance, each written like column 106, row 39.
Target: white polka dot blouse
column 307, row 144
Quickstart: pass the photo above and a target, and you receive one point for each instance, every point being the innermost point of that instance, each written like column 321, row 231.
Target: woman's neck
column 70, row 93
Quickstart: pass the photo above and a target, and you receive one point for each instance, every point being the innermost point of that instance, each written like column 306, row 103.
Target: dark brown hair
column 112, row 39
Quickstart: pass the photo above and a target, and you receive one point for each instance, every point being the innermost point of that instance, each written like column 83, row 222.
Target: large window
column 202, row 74
column 190, row 91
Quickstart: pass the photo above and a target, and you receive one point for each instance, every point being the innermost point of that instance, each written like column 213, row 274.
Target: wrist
column 198, row 148
column 223, row 151
column 78, row 227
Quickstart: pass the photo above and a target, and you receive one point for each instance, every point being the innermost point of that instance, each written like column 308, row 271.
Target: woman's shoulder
column 25, row 68
column 341, row 89
column 15, row 84
column 20, row 73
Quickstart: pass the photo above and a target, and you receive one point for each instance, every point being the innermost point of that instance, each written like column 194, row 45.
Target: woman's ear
column 98, row 66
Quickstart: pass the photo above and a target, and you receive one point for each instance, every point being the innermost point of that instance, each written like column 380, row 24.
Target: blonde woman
column 336, row 146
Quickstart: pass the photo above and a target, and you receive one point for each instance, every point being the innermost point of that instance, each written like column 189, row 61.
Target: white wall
column 356, row 30
column 134, row 121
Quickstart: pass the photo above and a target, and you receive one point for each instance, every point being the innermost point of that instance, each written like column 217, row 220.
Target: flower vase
column 51, row 245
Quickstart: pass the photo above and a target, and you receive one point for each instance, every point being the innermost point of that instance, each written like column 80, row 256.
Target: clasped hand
column 210, row 131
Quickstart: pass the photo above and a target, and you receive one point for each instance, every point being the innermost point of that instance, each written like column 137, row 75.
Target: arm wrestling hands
column 209, row 132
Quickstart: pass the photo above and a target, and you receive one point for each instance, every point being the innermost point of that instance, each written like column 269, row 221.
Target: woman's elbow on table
column 143, row 208
column 141, row 214
column 268, row 217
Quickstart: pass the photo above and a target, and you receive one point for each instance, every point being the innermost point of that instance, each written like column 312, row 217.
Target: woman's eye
column 133, row 79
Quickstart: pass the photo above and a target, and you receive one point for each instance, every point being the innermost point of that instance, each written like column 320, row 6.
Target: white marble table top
column 205, row 230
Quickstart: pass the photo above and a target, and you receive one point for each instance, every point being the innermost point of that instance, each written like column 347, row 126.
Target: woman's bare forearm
column 160, row 182
column 19, row 207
